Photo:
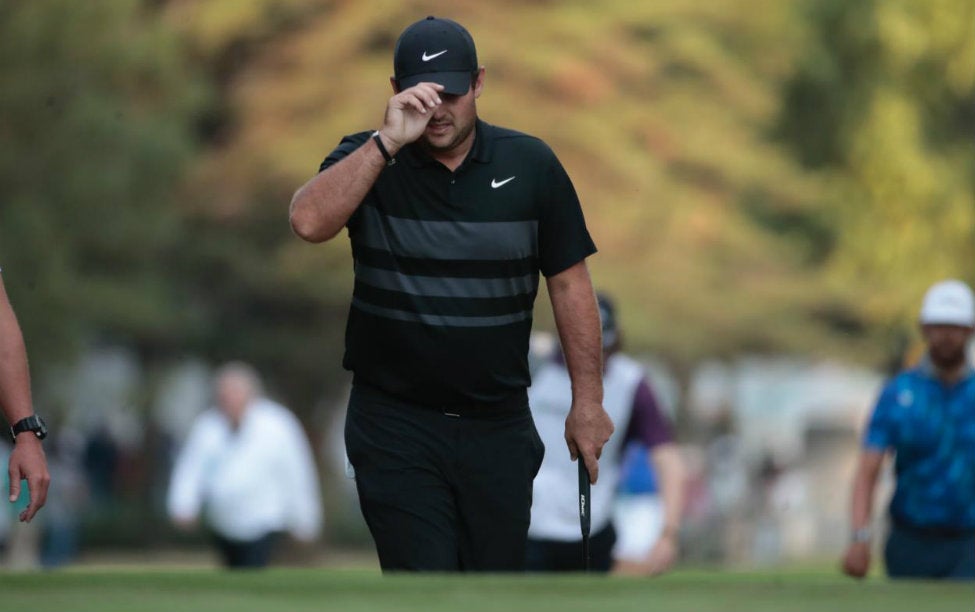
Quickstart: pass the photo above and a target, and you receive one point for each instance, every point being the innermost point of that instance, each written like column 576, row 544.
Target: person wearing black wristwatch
column 27, row 460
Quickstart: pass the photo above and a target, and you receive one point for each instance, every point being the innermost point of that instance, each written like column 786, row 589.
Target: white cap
column 949, row 302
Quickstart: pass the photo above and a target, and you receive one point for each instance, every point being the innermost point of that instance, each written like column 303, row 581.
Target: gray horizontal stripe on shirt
column 441, row 320
column 435, row 286
column 488, row 241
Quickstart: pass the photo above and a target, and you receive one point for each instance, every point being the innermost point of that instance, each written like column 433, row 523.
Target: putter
column 584, row 506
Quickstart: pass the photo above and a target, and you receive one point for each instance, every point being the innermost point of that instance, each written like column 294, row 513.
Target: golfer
column 451, row 219
column 925, row 417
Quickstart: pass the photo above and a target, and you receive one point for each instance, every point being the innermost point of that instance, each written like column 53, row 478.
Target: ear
column 479, row 82
column 394, row 85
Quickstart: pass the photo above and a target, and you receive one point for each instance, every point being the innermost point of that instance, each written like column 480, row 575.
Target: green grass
column 282, row 590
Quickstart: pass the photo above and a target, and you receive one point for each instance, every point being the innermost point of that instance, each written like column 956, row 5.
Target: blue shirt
column 930, row 426
column 647, row 428
column 636, row 475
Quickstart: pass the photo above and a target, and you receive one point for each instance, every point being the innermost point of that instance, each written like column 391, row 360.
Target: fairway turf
column 287, row 590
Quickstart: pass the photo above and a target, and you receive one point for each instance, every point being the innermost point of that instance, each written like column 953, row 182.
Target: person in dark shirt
column 451, row 219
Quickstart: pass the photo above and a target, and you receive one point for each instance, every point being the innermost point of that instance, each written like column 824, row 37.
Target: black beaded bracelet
column 390, row 160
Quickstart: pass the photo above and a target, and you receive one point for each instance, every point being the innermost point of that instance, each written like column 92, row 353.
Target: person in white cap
column 925, row 417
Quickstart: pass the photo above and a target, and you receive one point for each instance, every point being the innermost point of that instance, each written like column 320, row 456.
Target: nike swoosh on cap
column 427, row 58
column 496, row 183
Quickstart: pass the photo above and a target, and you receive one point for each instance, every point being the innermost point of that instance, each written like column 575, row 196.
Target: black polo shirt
column 447, row 263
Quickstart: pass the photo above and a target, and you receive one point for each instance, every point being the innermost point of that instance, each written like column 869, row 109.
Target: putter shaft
column 585, row 505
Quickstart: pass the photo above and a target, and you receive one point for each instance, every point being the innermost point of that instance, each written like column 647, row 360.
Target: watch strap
column 862, row 534
column 33, row 423
column 390, row 160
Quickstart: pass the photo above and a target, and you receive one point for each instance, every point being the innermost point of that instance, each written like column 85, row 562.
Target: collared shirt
column 930, row 426
column 447, row 265
column 250, row 481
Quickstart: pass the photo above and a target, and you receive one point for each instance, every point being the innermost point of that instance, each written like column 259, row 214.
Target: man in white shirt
column 247, row 465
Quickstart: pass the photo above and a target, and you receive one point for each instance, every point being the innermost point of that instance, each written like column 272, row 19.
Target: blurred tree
column 98, row 105
column 883, row 103
column 708, row 233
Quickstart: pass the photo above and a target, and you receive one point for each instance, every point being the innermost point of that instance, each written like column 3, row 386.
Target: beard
column 460, row 135
column 947, row 357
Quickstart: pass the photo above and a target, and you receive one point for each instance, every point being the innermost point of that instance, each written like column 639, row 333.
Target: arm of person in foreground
column 587, row 427
column 856, row 561
column 323, row 205
column 27, row 460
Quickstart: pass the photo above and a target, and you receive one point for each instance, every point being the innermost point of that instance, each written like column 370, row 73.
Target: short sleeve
column 881, row 433
column 563, row 239
column 647, row 424
column 346, row 146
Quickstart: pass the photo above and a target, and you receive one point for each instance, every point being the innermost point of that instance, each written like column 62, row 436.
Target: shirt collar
column 927, row 368
column 483, row 142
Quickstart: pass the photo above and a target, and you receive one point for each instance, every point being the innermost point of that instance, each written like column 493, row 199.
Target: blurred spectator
column 247, row 464
column 554, row 535
column 640, row 512
column 925, row 417
column 100, row 461
column 67, row 498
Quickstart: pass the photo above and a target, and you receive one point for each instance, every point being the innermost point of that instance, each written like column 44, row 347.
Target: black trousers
column 442, row 492
column 560, row 556
column 238, row 554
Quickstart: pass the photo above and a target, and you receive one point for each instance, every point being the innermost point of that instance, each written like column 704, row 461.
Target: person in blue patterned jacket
column 925, row 418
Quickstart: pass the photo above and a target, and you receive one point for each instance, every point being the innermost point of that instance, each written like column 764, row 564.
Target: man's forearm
column 577, row 319
column 665, row 462
column 323, row 205
column 15, row 399
column 864, row 484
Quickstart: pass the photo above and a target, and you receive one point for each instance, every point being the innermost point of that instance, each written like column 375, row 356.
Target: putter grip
column 584, row 498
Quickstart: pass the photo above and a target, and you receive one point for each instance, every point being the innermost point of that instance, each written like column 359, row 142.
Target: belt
column 514, row 404
column 934, row 531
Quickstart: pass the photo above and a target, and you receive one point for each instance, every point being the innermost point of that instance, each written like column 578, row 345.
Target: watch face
column 41, row 430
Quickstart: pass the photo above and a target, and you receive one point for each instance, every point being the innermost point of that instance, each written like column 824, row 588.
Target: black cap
column 607, row 319
column 435, row 50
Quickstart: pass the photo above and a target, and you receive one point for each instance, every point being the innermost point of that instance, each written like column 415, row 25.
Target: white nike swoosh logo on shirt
column 427, row 58
column 496, row 183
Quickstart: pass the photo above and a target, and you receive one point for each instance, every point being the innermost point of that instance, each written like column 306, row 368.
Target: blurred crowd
column 749, row 497
column 760, row 447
